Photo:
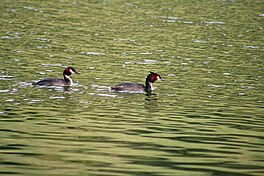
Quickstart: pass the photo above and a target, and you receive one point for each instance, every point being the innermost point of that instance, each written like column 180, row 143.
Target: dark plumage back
column 128, row 86
column 51, row 82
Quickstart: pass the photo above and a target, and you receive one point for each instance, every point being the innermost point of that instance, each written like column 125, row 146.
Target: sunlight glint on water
column 206, row 118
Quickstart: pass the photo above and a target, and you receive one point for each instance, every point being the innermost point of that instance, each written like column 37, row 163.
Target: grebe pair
column 127, row 86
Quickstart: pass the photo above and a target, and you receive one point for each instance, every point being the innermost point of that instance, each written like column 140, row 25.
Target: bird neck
column 149, row 85
column 68, row 79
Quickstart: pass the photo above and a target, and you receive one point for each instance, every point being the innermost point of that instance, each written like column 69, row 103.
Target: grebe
column 127, row 86
column 67, row 81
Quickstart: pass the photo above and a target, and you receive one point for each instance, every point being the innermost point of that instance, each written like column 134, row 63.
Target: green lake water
column 206, row 118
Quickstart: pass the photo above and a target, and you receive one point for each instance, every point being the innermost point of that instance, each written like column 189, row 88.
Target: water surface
column 205, row 119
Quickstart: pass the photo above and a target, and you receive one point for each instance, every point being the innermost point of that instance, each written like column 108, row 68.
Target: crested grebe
column 127, row 86
column 67, row 81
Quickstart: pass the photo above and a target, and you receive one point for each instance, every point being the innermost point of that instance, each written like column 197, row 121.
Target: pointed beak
column 76, row 72
column 160, row 78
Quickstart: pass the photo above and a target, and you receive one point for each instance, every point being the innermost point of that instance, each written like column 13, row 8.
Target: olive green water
column 205, row 119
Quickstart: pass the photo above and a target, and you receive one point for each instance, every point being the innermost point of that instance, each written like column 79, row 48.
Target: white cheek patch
column 72, row 71
column 158, row 78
